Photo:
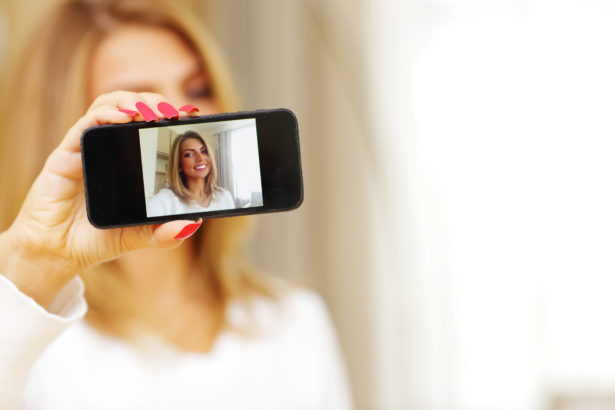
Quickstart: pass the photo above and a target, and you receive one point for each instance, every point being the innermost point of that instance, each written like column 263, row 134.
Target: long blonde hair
column 177, row 181
column 44, row 93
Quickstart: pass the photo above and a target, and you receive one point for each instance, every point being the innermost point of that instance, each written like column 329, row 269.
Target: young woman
column 192, row 180
column 171, row 322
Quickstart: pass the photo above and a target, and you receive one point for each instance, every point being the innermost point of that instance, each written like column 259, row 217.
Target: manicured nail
column 128, row 112
column 146, row 112
column 187, row 231
column 189, row 108
column 168, row 110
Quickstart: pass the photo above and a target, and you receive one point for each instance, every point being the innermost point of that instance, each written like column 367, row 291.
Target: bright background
column 459, row 209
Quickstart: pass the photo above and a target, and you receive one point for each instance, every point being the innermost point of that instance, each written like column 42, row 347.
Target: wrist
column 36, row 273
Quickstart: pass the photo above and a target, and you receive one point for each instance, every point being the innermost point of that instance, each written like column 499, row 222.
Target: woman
column 193, row 326
column 192, row 179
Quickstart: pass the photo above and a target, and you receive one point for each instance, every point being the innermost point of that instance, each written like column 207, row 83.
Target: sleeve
column 26, row 329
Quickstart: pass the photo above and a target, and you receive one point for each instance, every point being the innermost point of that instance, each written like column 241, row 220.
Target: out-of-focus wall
column 309, row 56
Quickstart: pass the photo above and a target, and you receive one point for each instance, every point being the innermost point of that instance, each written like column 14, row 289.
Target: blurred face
column 194, row 159
column 144, row 58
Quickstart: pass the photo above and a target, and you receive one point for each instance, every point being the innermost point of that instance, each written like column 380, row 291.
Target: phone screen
column 217, row 160
column 209, row 166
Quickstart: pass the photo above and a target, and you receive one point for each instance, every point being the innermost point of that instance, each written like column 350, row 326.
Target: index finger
column 98, row 116
column 126, row 97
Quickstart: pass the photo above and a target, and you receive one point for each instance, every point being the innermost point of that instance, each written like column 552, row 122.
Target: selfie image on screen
column 200, row 167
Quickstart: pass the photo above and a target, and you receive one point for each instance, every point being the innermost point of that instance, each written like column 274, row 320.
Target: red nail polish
column 168, row 110
column 146, row 112
column 128, row 112
column 187, row 231
column 189, row 108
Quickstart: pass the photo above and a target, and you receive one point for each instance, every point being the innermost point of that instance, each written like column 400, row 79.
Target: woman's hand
column 51, row 239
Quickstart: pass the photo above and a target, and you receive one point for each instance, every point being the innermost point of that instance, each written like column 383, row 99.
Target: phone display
column 208, row 166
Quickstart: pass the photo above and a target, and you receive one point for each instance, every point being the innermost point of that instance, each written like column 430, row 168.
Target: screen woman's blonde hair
column 44, row 92
column 177, row 180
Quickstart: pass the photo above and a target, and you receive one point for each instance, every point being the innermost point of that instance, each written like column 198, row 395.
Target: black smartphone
column 208, row 166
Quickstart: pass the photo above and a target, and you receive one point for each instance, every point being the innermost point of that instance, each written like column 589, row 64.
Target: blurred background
column 459, row 204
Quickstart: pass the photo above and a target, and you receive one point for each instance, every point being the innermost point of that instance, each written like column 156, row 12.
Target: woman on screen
column 192, row 180
column 177, row 318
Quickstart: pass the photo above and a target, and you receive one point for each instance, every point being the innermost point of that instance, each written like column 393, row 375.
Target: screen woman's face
column 144, row 58
column 194, row 159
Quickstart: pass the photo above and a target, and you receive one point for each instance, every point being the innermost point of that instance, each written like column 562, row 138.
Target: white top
column 292, row 363
column 165, row 202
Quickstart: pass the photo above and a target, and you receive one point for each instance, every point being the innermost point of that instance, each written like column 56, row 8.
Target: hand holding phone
column 51, row 239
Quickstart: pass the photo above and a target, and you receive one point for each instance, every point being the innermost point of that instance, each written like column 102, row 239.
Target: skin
column 195, row 165
column 51, row 240
column 149, row 59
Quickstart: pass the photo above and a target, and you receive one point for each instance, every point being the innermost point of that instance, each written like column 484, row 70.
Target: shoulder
column 306, row 304
column 223, row 193
column 297, row 321
column 290, row 305
column 165, row 201
column 224, row 198
column 298, row 329
column 164, row 193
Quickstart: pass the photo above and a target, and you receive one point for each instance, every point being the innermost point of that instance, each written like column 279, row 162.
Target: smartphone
column 209, row 166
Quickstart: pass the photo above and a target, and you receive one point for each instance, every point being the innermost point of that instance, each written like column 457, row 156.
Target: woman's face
column 194, row 159
column 144, row 58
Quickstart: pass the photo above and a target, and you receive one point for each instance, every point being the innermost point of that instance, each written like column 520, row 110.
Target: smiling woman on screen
column 192, row 179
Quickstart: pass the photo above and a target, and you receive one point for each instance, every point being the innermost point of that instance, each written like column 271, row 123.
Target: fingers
column 143, row 106
column 171, row 233
column 121, row 107
column 98, row 116
column 164, row 236
column 188, row 109
column 152, row 107
column 128, row 100
column 111, row 99
column 146, row 105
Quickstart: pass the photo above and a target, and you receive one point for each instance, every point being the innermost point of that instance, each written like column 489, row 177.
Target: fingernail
column 146, row 112
column 189, row 108
column 168, row 110
column 128, row 112
column 187, row 231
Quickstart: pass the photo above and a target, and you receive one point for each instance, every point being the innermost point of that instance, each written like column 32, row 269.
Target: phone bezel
column 279, row 158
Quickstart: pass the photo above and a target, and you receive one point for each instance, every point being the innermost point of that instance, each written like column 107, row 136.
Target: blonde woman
column 192, row 180
column 171, row 322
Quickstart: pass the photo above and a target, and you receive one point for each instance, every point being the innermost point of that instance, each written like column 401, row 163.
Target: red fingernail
column 168, row 110
column 146, row 112
column 188, row 231
column 128, row 112
column 189, row 108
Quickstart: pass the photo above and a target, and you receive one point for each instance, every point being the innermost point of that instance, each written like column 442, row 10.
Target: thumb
column 166, row 236
column 171, row 234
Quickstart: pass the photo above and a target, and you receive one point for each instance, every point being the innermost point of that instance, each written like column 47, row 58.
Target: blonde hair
column 44, row 93
column 177, row 181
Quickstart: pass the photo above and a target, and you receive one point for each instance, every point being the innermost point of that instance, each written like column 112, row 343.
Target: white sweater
column 293, row 363
column 165, row 202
